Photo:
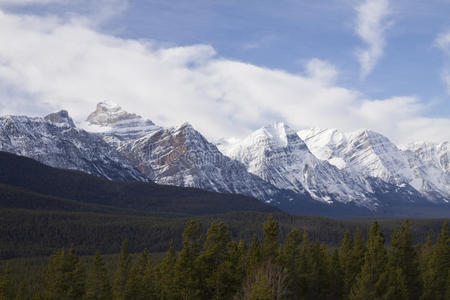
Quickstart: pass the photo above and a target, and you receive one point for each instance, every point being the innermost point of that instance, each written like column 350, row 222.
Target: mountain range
column 311, row 171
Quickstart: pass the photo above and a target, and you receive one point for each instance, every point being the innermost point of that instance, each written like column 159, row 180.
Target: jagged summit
column 61, row 117
column 278, row 155
column 118, row 125
column 55, row 141
column 370, row 153
column 108, row 114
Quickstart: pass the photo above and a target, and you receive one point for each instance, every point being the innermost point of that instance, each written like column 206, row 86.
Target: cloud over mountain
column 47, row 63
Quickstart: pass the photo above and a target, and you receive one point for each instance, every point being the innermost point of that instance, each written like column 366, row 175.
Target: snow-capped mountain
column 278, row 155
column 55, row 141
column 430, row 165
column 310, row 171
column 182, row 156
column 117, row 125
column 368, row 153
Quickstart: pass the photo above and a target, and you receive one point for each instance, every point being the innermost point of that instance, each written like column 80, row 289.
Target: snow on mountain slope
column 55, row 141
column 278, row 155
column 369, row 153
column 430, row 164
column 117, row 125
column 182, row 156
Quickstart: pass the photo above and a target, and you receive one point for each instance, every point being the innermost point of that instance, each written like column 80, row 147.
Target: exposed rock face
column 117, row 125
column 182, row 156
column 307, row 171
column 278, row 155
column 55, row 141
column 62, row 118
column 424, row 166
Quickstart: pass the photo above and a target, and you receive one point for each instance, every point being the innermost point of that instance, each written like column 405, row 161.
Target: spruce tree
column 290, row 257
column 186, row 276
column 346, row 262
column 303, row 266
column 65, row 276
column 165, row 275
column 436, row 272
column 393, row 284
column 375, row 259
column 122, row 271
column 136, row 288
column 260, row 288
column 270, row 244
column 403, row 255
column 254, row 254
column 335, row 277
column 358, row 253
column 214, row 254
column 98, row 286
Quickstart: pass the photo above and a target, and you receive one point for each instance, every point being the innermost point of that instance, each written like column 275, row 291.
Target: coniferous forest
column 212, row 265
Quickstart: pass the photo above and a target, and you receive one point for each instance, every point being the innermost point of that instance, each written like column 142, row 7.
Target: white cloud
column 49, row 63
column 370, row 27
column 443, row 42
column 321, row 70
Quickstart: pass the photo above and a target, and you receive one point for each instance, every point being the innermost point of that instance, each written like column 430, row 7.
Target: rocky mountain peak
column 108, row 114
column 61, row 118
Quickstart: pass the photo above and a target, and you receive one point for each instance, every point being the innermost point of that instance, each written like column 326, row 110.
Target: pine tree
column 254, row 254
column 260, row 289
column 375, row 259
column 436, row 272
column 346, row 262
column 65, row 276
column 235, row 266
column 122, row 271
column 270, row 244
column 165, row 277
column 290, row 256
column 358, row 253
column 186, row 277
column 317, row 275
column 403, row 256
column 393, row 284
column 303, row 266
column 214, row 254
column 97, row 284
column 335, row 278
column 136, row 288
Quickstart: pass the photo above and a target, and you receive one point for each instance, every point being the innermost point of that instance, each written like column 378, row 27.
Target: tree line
column 214, row 266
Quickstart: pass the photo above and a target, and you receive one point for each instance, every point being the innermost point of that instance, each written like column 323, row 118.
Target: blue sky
column 283, row 34
column 404, row 41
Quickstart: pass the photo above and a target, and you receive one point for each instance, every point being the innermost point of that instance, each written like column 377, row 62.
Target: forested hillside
column 213, row 265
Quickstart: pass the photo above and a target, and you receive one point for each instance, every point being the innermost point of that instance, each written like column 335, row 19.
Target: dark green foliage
column 211, row 265
column 367, row 284
column 65, row 276
column 270, row 244
column 437, row 269
column 403, row 259
column 122, row 272
column 98, row 286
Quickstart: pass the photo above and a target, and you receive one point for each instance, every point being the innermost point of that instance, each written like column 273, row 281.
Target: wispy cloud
column 443, row 42
column 49, row 63
column 322, row 71
column 372, row 21
column 28, row 2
